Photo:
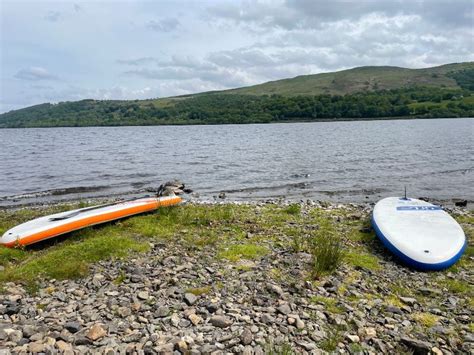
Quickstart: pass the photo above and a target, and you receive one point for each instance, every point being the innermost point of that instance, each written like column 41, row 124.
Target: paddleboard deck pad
column 57, row 224
column 420, row 234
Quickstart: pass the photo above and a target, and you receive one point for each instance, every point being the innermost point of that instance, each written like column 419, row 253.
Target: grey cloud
column 137, row 61
column 35, row 74
column 77, row 7
column 305, row 14
column 164, row 25
column 53, row 16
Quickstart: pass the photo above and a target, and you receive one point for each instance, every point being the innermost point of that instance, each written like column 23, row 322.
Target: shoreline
column 324, row 120
column 223, row 277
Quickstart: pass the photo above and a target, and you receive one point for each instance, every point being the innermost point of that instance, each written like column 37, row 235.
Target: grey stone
column 220, row 321
column 246, row 337
column 418, row 346
column 284, row 309
column 162, row 311
column 190, row 299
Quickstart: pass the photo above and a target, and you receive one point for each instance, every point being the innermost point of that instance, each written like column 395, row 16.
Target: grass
column 198, row 291
column 326, row 249
column 72, row 258
column 362, row 260
column 329, row 343
column 426, row 320
column 330, row 304
column 243, row 251
column 458, row 286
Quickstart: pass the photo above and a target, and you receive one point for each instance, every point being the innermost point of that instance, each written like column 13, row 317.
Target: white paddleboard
column 420, row 234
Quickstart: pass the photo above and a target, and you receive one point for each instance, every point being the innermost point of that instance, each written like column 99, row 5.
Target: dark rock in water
column 418, row 346
column 222, row 195
column 426, row 199
column 461, row 203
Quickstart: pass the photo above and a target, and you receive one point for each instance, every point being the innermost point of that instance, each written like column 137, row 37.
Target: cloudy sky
column 70, row 50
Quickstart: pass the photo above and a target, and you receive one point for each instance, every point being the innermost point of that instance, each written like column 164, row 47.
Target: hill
column 359, row 93
column 362, row 79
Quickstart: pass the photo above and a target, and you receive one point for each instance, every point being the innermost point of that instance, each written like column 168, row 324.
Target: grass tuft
column 330, row 304
column 197, row 291
column 293, row 209
column 243, row 251
column 326, row 250
column 427, row 320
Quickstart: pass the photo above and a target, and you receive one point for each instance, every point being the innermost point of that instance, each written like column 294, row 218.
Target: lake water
column 338, row 161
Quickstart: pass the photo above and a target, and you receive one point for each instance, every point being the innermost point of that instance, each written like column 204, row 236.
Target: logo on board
column 418, row 208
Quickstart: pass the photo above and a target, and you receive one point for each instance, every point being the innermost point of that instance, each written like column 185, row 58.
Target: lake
column 336, row 161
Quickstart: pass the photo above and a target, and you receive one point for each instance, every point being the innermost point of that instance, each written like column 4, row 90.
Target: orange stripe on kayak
column 90, row 221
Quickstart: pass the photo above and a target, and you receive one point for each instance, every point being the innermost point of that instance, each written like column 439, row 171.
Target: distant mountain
column 359, row 93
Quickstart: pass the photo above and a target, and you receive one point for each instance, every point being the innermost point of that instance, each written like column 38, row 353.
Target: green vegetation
column 243, row 251
column 362, row 260
column 360, row 93
column 197, row 291
column 326, row 251
column 426, row 320
column 330, row 304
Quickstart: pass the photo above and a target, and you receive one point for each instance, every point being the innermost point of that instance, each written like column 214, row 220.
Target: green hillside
column 360, row 79
column 359, row 93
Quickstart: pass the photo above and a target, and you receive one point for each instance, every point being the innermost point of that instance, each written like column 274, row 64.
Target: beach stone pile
column 178, row 301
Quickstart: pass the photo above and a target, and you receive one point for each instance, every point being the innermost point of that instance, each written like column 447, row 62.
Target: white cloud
column 35, row 74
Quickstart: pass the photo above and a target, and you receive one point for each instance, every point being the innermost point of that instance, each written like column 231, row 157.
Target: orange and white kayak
column 53, row 225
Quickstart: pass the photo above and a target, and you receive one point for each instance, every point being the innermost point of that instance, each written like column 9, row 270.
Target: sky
column 71, row 50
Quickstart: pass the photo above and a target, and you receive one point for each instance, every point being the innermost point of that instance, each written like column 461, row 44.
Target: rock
column 275, row 289
column 246, row 337
column 220, row 322
column 124, row 312
column 195, row 319
column 36, row 347
column 82, row 340
column 165, row 348
column 436, row 351
column 190, row 299
column 143, row 295
column 408, row 300
column 307, row 345
column 96, row 332
column 462, row 203
column 162, row 312
column 284, row 309
column 222, row 195
column 13, row 334
column 353, row 338
column 72, row 327
column 429, row 291
column 267, row 319
column 418, row 346
column 369, row 333
column 212, row 307
column 299, row 324
column 181, row 346
column 393, row 309
column 63, row 346
column 12, row 309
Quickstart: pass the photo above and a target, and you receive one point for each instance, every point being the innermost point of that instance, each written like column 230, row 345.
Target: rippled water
column 341, row 161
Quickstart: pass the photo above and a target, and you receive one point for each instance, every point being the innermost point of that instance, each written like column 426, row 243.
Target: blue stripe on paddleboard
column 411, row 262
column 419, row 208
